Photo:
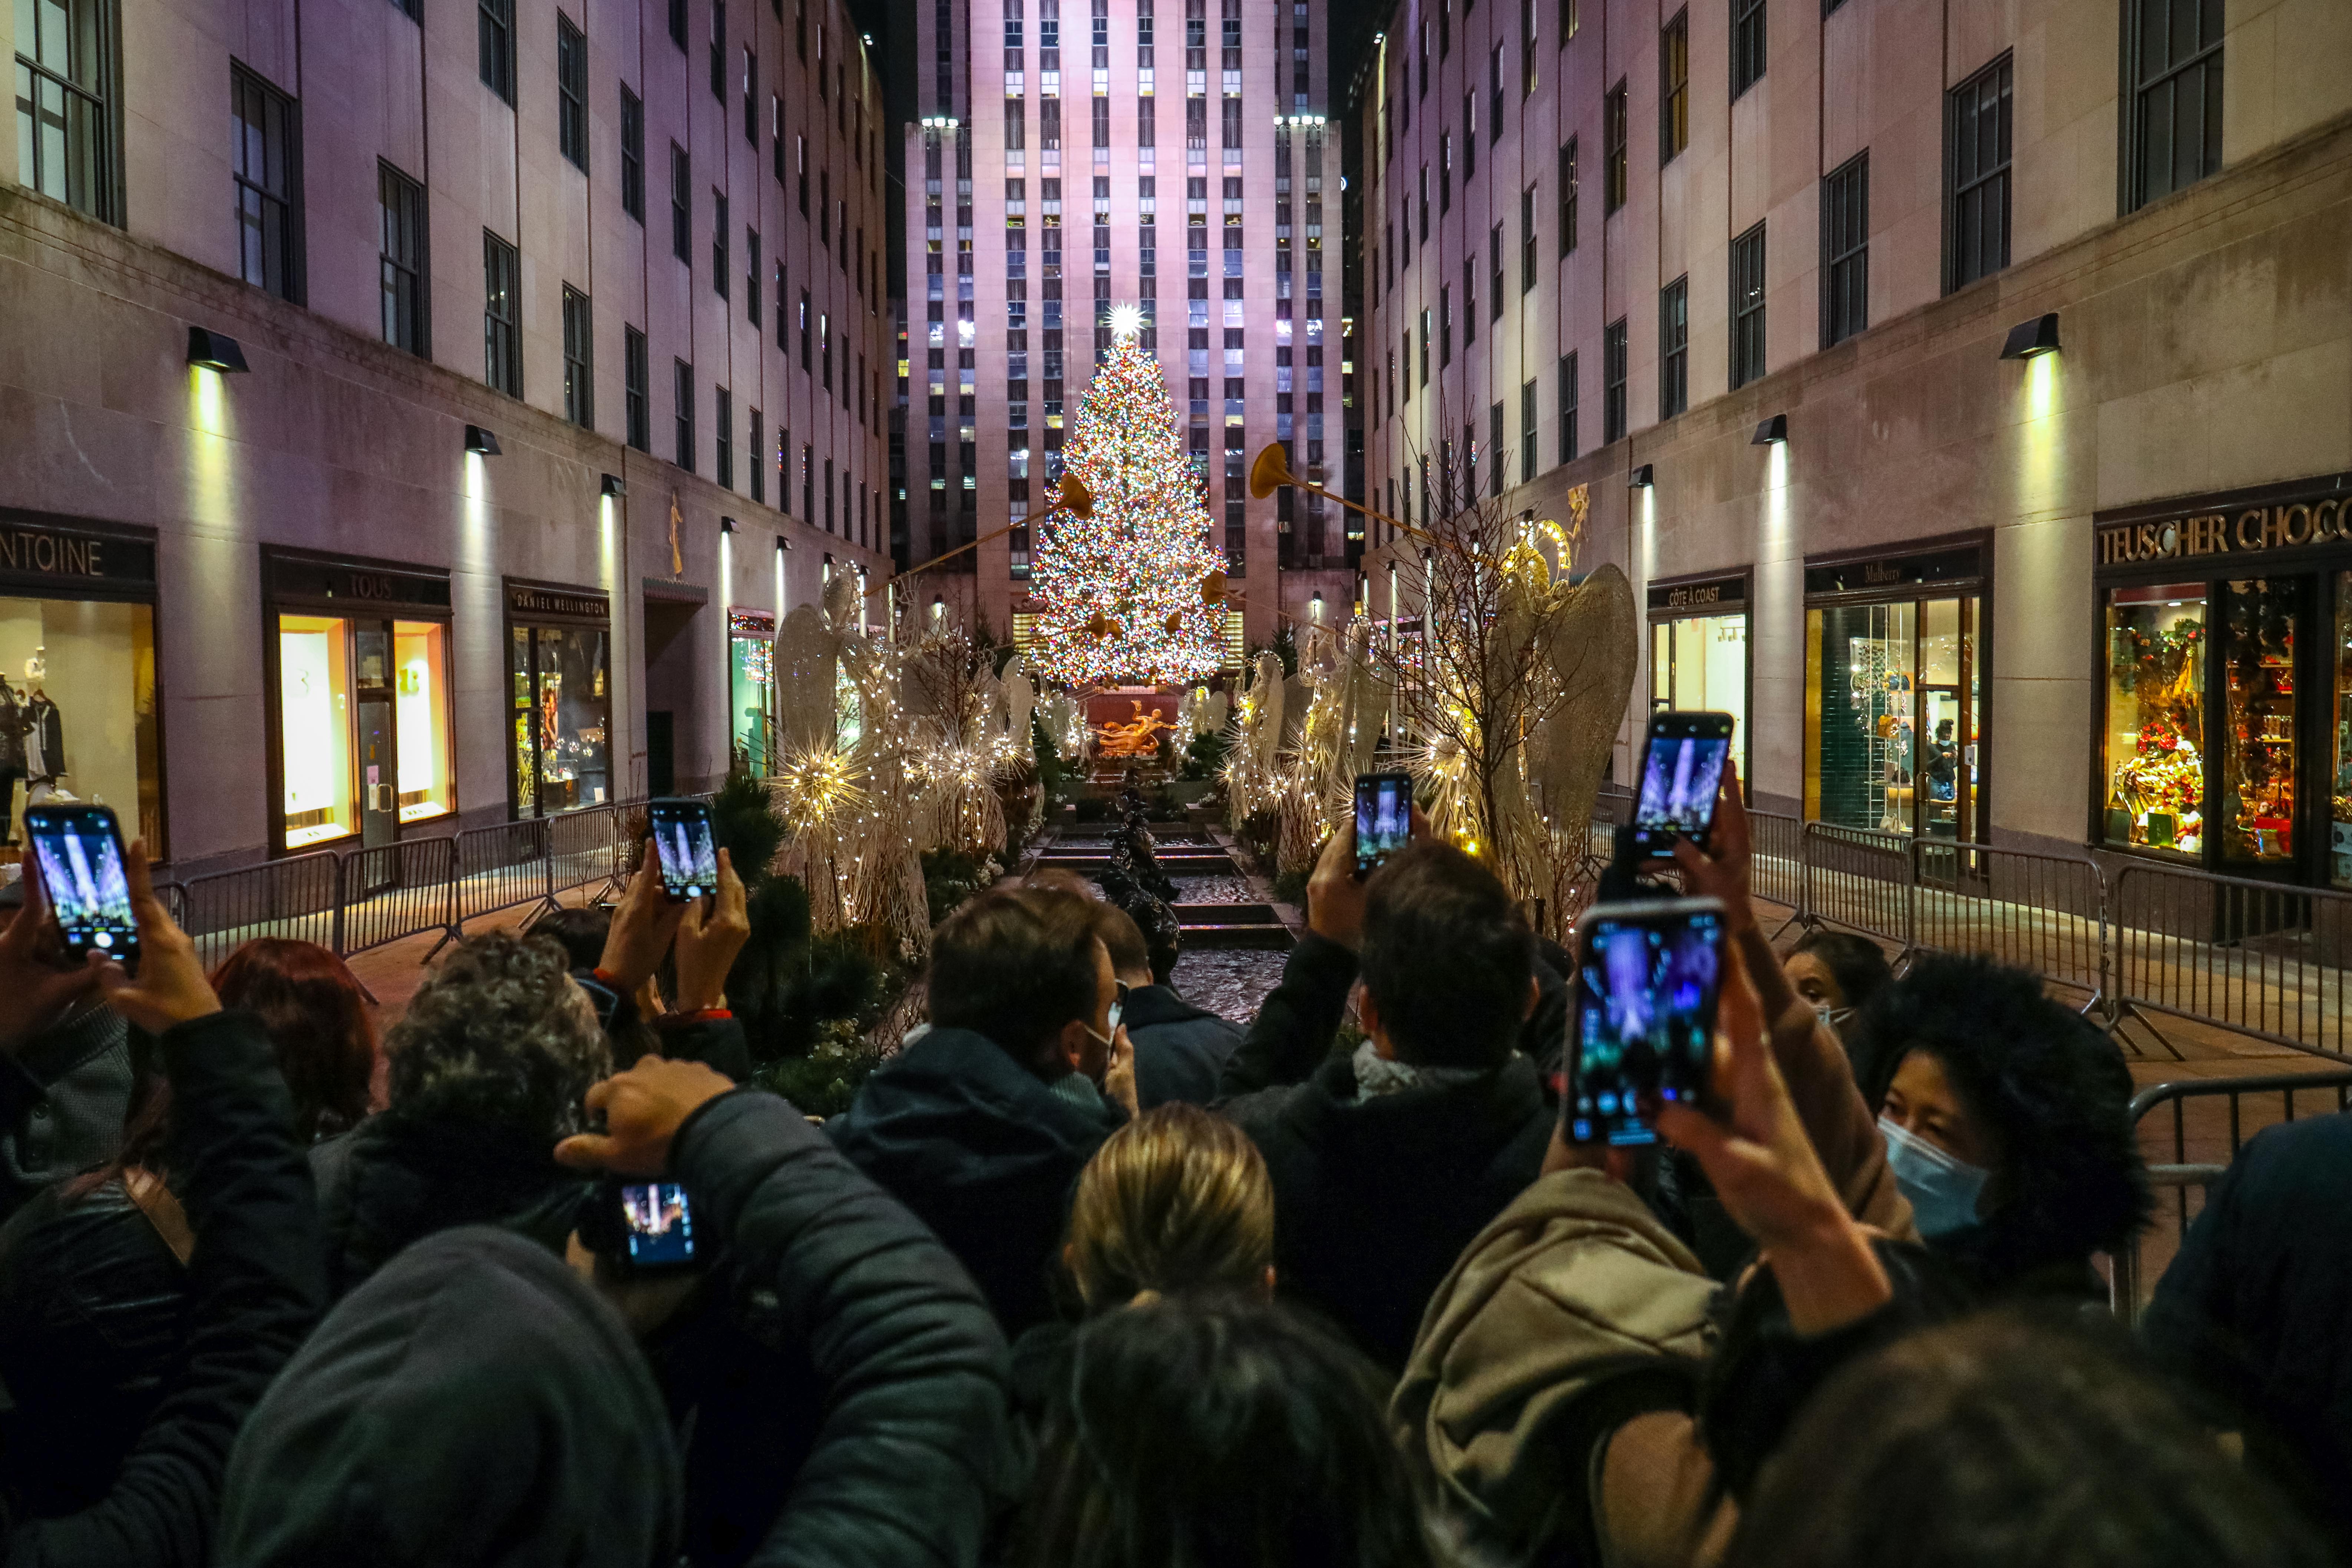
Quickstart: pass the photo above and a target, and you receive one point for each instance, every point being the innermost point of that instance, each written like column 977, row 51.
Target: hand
column 34, row 992
column 1335, row 897
column 644, row 925
column 643, row 1109
column 1722, row 872
column 708, row 944
column 1560, row 1155
column 1119, row 1074
column 1770, row 1179
column 170, row 988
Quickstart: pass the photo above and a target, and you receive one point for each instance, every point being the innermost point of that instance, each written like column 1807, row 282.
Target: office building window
column 269, row 184
column 682, row 400
column 68, row 87
column 1568, row 408
column 1469, row 137
column 1613, row 150
column 1613, row 380
column 632, row 155
column 579, row 359
column 1845, row 250
column 1493, row 450
column 756, row 461
column 1674, row 88
column 1746, row 44
column 1526, row 432
column 1424, row 347
column 722, row 416
column 400, row 203
column 721, row 270
column 1495, row 282
column 1748, row 307
column 719, row 49
column 2172, row 53
column 751, row 275
column 1445, row 326
column 495, row 34
column 677, row 23
column 681, row 204
column 1673, row 348
column 501, row 315
column 750, row 96
column 1527, row 239
column 1977, row 131
column 1568, row 196
column 570, row 91
column 636, row 387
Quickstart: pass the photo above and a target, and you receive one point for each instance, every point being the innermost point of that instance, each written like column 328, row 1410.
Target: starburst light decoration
column 1119, row 592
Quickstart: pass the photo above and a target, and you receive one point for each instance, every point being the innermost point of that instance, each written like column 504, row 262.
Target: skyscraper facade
column 1073, row 156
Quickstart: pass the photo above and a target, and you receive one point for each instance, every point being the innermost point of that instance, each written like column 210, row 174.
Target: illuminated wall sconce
column 614, row 487
column 940, row 122
column 726, row 525
column 480, row 442
column 1315, row 608
column 782, row 544
column 216, row 351
column 1641, row 478
column 1770, row 430
column 2027, row 338
column 939, row 606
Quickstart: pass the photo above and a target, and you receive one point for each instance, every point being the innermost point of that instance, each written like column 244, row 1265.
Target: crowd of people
column 1088, row 1276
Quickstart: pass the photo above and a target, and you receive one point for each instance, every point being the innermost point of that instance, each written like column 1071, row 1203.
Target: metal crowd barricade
column 1775, row 850
column 397, row 890
column 501, row 867
column 2255, row 958
column 2042, row 912
column 580, row 846
column 1858, row 880
column 2210, row 1121
column 301, row 896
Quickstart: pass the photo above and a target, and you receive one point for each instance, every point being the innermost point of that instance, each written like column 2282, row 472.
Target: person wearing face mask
column 2007, row 1126
column 1837, row 974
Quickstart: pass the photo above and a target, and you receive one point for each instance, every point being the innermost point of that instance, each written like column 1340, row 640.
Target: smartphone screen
column 1383, row 818
column 80, row 853
column 1648, row 978
column 1681, row 770
column 657, row 1225
column 689, row 856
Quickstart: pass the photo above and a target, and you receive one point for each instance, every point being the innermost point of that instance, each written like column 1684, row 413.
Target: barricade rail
column 2255, row 958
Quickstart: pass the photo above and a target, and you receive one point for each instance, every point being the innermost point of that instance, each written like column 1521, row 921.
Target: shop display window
column 1701, row 662
column 2258, row 728
column 2156, row 717
column 751, row 681
column 1892, row 713
column 314, row 695
column 363, row 722
column 562, row 754
column 78, row 711
column 421, row 707
column 2340, row 765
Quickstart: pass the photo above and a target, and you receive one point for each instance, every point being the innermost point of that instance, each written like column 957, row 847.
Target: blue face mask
column 1943, row 1191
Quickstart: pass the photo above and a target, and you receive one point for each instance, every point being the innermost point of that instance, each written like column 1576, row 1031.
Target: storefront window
column 1893, row 710
column 363, row 722
column 2340, row 772
column 2257, row 730
column 751, row 665
column 78, row 711
column 314, row 695
column 2156, row 716
column 1701, row 662
column 560, row 713
column 421, row 703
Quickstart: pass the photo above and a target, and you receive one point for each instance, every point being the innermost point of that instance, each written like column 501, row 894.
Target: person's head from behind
column 502, row 1036
column 2000, row 1442
column 1447, row 959
column 1220, row 1429
column 473, row 1403
column 580, row 933
column 1024, row 967
column 1122, row 939
column 1838, row 972
column 1176, row 1200
column 2007, row 1117
column 317, row 1019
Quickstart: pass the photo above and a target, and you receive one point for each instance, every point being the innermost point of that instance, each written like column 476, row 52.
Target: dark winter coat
column 63, row 1096
column 253, row 1291
column 984, row 1152
column 1179, row 1048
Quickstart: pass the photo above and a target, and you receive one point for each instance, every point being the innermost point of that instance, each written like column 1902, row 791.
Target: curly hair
column 499, row 1035
column 2072, row 1181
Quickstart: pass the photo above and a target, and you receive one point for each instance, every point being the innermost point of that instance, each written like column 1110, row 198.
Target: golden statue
column 1139, row 738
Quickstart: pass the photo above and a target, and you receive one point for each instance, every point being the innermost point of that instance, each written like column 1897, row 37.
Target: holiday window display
column 2258, row 733
column 2156, row 717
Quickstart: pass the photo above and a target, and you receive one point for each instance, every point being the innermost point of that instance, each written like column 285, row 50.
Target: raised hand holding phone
column 644, row 924
column 171, row 986
column 1683, row 763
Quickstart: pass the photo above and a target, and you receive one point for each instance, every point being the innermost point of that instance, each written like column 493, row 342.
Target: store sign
column 524, row 602
column 1895, row 572
column 52, row 553
column 750, row 624
column 1701, row 598
column 344, row 583
column 2229, row 531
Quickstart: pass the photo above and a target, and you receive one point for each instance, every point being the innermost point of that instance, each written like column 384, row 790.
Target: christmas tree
column 1120, row 592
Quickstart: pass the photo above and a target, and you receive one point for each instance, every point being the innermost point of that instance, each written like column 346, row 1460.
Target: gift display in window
column 2156, row 716
column 2258, row 762
column 2340, row 775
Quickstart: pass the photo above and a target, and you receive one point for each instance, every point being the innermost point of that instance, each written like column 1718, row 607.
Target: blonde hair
column 1175, row 1200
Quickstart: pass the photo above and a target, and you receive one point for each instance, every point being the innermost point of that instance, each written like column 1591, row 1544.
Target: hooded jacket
column 1179, row 1048
column 473, row 1403
column 984, row 1152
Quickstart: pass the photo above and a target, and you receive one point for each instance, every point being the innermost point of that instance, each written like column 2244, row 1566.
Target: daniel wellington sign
column 2314, row 513
column 525, row 600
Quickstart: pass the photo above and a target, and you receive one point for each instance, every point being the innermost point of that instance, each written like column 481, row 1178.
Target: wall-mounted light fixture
column 2027, row 338
column 480, row 442
column 726, row 525
column 1641, row 478
column 613, row 485
column 216, row 351
column 1315, row 607
column 1770, row 430
column 939, row 122
column 782, row 544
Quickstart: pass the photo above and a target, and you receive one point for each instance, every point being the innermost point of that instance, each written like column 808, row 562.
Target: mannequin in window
column 13, row 728
column 44, row 736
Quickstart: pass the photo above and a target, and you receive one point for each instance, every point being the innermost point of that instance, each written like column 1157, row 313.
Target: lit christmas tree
column 1121, row 591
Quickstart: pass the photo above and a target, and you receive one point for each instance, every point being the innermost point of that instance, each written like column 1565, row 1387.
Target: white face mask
column 1943, row 1188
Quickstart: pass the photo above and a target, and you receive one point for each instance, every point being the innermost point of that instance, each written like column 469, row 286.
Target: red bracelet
column 601, row 977
column 710, row 1014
